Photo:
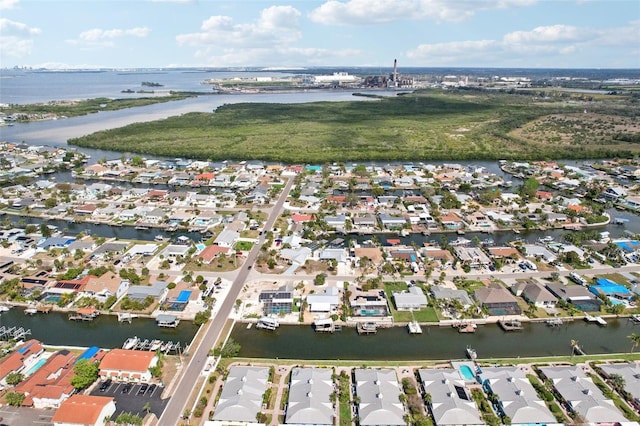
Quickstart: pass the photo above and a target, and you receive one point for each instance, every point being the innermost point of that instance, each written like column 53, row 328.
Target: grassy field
column 426, row 125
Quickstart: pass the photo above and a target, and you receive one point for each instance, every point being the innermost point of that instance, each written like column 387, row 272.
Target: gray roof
column 241, row 397
column 142, row 291
column 413, row 298
column 630, row 372
column 441, row 292
column 519, row 399
column 379, row 394
column 310, row 392
column 447, row 406
column 582, row 394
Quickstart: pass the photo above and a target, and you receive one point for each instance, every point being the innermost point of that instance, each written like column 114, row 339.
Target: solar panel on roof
column 462, row 394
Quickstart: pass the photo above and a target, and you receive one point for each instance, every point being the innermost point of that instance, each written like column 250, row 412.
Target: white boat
column 414, row 327
column 554, row 321
column 268, row 323
column 130, row 343
column 155, row 345
column 161, row 238
column 471, row 353
column 4, row 308
column 546, row 239
column 635, row 318
column 30, row 311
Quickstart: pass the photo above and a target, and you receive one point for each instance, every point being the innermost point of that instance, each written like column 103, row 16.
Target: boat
column 366, row 328
column 620, row 221
column 30, row 311
column 161, row 238
column 267, row 323
column 4, row 308
column 471, row 353
column 554, row 322
column 130, row 343
column 635, row 318
column 546, row 239
column 141, row 228
column 155, row 345
column 466, row 327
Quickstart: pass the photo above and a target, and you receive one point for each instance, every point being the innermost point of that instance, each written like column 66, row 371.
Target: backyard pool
column 467, row 372
column 35, row 367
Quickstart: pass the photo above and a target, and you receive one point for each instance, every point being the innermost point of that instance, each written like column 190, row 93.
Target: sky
column 309, row 33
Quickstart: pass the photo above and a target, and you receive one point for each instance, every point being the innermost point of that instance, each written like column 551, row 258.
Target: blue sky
column 307, row 33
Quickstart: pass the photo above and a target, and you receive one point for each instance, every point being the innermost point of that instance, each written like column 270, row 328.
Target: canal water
column 105, row 331
column 537, row 339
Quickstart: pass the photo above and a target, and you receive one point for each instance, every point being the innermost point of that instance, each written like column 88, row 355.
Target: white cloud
column 277, row 25
column 16, row 38
column 97, row 34
column 365, row 12
column 541, row 44
column 8, row 4
column 278, row 56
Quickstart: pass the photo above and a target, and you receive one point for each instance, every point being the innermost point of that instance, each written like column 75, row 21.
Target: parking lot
column 132, row 398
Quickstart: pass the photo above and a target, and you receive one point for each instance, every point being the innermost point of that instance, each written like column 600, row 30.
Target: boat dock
column 169, row 321
column 84, row 314
column 635, row 318
column 13, row 333
column 414, row 328
column 366, row 328
column 267, row 323
column 125, row 317
column 326, row 325
column 466, row 327
column 510, row 325
column 137, row 344
column 554, row 322
column 597, row 319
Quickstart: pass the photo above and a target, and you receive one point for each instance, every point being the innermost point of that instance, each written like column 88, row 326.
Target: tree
column 635, row 340
column 14, row 399
column 14, row 378
column 617, row 382
column 86, row 372
column 45, row 230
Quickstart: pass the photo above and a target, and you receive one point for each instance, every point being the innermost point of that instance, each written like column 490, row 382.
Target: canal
column 537, row 339
column 105, row 331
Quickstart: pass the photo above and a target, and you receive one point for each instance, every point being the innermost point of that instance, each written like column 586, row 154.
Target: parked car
column 143, row 389
column 126, row 388
column 105, row 385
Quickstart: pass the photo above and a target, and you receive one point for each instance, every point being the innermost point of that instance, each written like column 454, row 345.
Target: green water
column 301, row 342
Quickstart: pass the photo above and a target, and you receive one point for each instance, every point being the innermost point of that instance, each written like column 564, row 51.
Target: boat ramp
column 137, row 344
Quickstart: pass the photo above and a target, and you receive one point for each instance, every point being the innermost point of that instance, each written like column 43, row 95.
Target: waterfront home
column 497, row 300
column 472, row 256
column 506, row 254
column 326, row 301
column 439, row 292
column 337, row 222
column 107, row 285
column 517, row 397
column 370, row 303
column 55, row 242
column 391, row 222
column 610, row 289
column 411, row 299
column 451, row 404
column 310, row 397
column 242, row 392
column 577, row 295
column 613, row 193
column 142, row 250
column 112, row 247
column 583, row 397
column 538, row 251
column 534, row 292
column 26, row 354
column 71, row 286
column 451, row 221
column 173, row 251
column 50, row 384
column 278, row 301
column 140, row 292
column 82, row 410
column 127, row 365
column 443, row 256
column 630, row 372
column 227, row 238
column 378, row 393
column 340, row 255
column 364, row 222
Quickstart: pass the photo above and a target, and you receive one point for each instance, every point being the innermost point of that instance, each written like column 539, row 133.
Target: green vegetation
column 13, row 378
column 88, row 106
column 548, row 398
column 488, row 416
column 229, row 350
column 609, row 394
column 344, row 398
column 129, row 419
column 427, row 314
column 14, row 399
column 85, row 373
column 425, row 125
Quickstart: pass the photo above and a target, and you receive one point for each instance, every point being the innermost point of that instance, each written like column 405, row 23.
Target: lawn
column 423, row 315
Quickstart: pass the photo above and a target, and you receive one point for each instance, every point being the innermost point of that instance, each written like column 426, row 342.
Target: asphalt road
column 198, row 356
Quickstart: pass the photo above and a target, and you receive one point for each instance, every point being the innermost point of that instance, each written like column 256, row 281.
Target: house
column 613, row 193
column 326, row 301
column 310, row 402
column 451, row 221
column 25, row 355
column 50, row 385
column 497, row 300
column 82, row 410
column 370, row 303
column 472, row 256
column 509, row 254
column 337, row 221
column 364, row 221
column 107, row 285
column 141, row 292
column 378, row 393
column 577, row 295
column 211, row 252
column 535, row 293
column 278, row 301
column 241, row 397
column 451, row 403
column 391, row 222
column 226, row 238
column 128, row 365
column 439, row 292
column 411, row 299
column 517, row 397
column 582, row 395
column 629, row 371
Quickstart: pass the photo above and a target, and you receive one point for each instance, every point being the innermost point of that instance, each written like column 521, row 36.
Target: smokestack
column 395, row 70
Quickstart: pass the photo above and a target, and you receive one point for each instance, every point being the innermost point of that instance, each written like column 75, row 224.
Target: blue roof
column 25, row 348
column 628, row 246
column 89, row 353
column 608, row 287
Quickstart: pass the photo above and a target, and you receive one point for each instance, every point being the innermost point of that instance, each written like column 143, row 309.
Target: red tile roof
column 14, row 361
column 81, row 409
column 127, row 360
column 210, row 252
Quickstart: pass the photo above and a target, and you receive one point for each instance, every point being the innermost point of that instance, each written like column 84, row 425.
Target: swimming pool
column 183, row 297
column 52, row 298
column 467, row 372
column 35, row 367
column 200, row 247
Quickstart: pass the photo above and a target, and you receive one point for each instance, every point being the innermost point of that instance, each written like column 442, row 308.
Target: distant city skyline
column 309, row 33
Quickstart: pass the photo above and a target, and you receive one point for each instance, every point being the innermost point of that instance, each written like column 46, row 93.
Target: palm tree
column 574, row 345
column 635, row 340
